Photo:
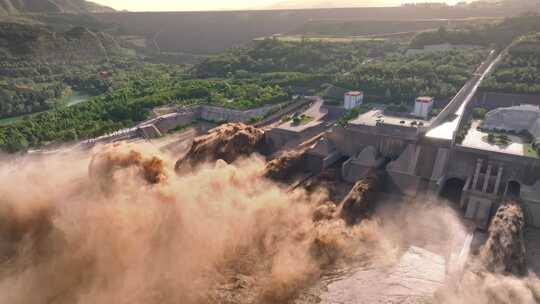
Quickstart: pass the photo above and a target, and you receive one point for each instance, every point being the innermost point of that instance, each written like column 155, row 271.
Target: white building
column 423, row 107
column 353, row 99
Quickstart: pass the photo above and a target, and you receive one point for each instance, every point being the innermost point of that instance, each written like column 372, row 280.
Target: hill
column 213, row 32
column 499, row 34
column 17, row 7
column 37, row 43
column 303, row 4
column 519, row 71
column 357, row 27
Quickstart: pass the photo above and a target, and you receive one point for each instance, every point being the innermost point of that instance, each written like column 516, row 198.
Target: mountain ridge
column 20, row 7
column 39, row 44
column 315, row 4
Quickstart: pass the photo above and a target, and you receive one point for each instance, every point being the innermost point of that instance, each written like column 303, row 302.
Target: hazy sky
column 194, row 5
column 182, row 5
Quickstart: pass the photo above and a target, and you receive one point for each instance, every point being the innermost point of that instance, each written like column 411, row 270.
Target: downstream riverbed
column 414, row 279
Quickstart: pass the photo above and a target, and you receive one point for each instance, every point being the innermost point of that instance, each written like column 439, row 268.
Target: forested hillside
column 36, row 43
column 378, row 68
column 16, row 7
column 499, row 34
column 39, row 67
column 357, row 27
column 266, row 71
column 443, row 35
column 145, row 87
column 520, row 70
column 270, row 55
column 400, row 79
column 214, row 32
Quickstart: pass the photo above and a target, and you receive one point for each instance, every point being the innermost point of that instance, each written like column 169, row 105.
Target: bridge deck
column 452, row 119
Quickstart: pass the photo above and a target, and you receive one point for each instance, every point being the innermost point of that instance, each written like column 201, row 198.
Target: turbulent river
column 414, row 279
column 129, row 223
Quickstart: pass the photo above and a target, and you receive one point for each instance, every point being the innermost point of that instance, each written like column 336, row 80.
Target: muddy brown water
column 413, row 279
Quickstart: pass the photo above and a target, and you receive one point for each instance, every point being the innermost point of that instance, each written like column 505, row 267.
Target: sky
column 183, row 5
column 194, row 5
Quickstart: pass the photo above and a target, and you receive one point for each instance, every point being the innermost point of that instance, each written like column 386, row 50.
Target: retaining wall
column 212, row 113
column 493, row 100
column 278, row 138
column 186, row 115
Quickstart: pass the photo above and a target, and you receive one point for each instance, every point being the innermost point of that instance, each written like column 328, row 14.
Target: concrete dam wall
column 163, row 124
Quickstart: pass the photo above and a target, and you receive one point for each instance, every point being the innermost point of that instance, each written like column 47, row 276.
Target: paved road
column 295, row 106
column 447, row 128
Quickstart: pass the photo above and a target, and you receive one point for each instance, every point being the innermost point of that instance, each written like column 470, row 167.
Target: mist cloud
column 119, row 225
column 122, row 227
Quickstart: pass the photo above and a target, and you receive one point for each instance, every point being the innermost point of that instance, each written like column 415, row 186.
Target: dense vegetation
column 353, row 113
column 132, row 103
column 41, row 44
column 28, row 87
column 378, row 68
column 268, row 71
column 499, row 34
column 387, row 28
column 40, row 68
column 443, row 35
column 400, row 79
column 271, row 55
column 211, row 32
column 358, row 27
column 520, row 70
column 19, row 99
column 50, row 6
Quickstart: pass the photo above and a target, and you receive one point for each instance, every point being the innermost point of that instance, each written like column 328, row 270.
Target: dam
column 427, row 157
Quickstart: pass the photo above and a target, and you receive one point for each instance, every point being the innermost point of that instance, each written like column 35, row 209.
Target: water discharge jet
column 504, row 251
column 360, row 202
column 184, row 239
column 227, row 142
column 221, row 233
column 285, row 166
column 105, row 164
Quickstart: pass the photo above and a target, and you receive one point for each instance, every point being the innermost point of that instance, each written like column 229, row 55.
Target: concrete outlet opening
column 513, row 189
column 452, row 190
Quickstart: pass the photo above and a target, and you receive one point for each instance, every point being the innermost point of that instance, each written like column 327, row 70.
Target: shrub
column 491, row 138
column 462, row 133
column 479, row 113
column 504, row 139
column 352, row 114
column 301, row 119
column 526, row 135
